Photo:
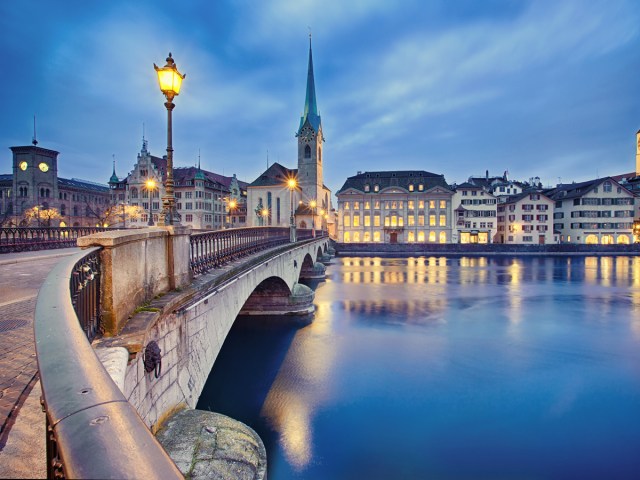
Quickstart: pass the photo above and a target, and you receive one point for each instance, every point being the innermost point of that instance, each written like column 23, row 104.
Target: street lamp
column 264, row 213
column 313, row 204
column 150, row 185
column 291, row 185
column 170, row 81
column 232, row 205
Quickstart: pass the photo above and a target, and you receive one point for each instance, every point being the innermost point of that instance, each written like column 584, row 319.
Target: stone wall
column 191, row 333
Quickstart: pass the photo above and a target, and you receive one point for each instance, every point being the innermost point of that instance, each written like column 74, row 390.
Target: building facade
column 475, row 214
column 594, row 212
column 34, row 186
column 204, row 200
column 395, row 207
column 270, row 202
column 526, row 219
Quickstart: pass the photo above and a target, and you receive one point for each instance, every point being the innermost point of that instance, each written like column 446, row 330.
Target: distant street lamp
column 170, row 81
column 291, row 185
column 150, row 185
column 636, row 231
column 313, row 204
column 232, row 205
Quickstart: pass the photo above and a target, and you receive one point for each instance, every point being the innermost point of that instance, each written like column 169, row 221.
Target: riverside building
column 395, row 207
column 475, row 214
column 526, row 219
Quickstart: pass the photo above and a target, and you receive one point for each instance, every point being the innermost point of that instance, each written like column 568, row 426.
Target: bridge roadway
column 191, row 325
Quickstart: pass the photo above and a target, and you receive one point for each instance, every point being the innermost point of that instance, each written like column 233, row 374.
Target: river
column 447, row 368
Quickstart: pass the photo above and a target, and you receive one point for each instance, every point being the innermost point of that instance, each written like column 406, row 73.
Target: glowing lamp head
column 264, row 212
column 169, row 78
column 233, row 204
column 313, row 204
column 151, row 184
column 291, row 183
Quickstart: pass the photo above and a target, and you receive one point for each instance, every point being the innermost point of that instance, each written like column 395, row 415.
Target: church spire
column 310, row 104
column 114, row 177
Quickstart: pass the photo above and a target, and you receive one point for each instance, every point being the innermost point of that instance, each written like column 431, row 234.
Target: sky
column 545, row 88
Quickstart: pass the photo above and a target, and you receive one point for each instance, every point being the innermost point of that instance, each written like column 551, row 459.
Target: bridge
column 158, row 304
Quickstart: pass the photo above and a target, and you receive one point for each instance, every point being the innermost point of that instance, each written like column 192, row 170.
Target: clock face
column 43, row 166
column 307, row 134
column 23, row 165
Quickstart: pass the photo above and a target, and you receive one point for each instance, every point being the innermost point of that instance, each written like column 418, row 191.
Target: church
column 281, row 193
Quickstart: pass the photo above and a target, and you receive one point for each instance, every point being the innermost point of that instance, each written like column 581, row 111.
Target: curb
column 32, row 258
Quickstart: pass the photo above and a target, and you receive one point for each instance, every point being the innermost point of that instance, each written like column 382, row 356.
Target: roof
column 524, row 194
column 185, row 174
column 396, row 178
column 6, row 178
column 82, row 184
column 310, row 113
column 567, row 191
column 468, row 185
column 276, row 174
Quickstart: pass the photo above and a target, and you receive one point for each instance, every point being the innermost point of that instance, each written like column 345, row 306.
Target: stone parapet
column 138, row 265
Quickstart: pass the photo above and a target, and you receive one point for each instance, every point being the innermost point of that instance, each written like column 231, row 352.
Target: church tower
column 310, row 140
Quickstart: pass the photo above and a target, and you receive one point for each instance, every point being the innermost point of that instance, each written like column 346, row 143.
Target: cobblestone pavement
column 21, row 276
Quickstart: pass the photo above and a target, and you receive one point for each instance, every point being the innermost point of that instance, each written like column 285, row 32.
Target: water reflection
column 481, row 357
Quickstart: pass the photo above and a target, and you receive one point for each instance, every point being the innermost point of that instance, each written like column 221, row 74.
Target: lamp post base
column 292, row 233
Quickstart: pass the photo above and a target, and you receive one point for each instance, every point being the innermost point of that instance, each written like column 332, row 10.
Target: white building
column 475, row 214
column 595, row 212
column 395, row 207
column 526, row 219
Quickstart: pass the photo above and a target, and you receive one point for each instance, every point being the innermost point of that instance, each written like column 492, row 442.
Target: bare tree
column 42, row 217
column 113, row 214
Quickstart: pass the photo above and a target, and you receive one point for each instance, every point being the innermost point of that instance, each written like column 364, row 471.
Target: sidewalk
column 22, row 431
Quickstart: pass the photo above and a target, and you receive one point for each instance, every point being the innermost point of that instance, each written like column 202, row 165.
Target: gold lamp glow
column 169, row 78
column 291, row 183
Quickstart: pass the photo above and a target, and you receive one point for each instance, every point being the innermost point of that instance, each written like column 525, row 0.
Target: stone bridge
column 153, row 298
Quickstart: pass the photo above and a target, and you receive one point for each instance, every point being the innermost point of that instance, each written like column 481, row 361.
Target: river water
column 447, row 368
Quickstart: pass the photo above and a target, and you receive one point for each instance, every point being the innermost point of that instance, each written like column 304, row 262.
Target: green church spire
column 310, row 104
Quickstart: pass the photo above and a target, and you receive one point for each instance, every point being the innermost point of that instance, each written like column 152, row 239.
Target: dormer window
column 411, row 187
column 421, row 187
column 366, row 188
column 376, row 188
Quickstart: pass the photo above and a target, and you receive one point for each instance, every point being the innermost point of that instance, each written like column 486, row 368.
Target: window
column 410, row 204
column 432, row 236
column 367, row 221
column 432, row 220
column 346, row 237
column 421, row 187
column 356, row 205
column 421, row 204
column 606, row 187
column 443, row 237
column 411, row 220
column 376, row 220
column 376, row 236
column 411, row 187
column 307, row 151
column 376, row 188
column 366, row 188
column 421, row 220
column 346, row 205
column 443, row 204
column 443, row 221
column 346, row 221
column 188, row 217
column 421, row 236
column 367, row 236
column 356, row 221
column 367, row 206
column 356, row 236
column 412, row 237
column 432, row 204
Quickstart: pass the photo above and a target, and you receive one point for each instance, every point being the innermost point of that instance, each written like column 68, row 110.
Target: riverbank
column 458, row 249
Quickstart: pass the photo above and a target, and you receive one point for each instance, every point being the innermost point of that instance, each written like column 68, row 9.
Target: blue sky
column 538, row 88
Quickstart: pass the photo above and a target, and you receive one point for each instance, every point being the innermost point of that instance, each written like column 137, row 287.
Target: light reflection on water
column 434, row 367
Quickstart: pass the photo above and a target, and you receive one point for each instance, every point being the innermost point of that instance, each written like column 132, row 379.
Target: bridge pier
column 270, row 300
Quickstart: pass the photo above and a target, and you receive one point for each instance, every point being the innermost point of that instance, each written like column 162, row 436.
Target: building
column 474, row 214
column 526, row 219
column 34, row 186
column 598, row 211
column 270, row 202
column 204, row 200
column 395, row 207
column 499, row 186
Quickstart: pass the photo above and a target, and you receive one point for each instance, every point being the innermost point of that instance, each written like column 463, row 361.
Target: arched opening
column 307, row 151
column 607, row 240
column 623, row 239
column 591, row 239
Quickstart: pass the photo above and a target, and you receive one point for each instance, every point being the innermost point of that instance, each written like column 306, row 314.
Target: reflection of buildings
column 395, row 207
column 202, row 197
column 35, row 183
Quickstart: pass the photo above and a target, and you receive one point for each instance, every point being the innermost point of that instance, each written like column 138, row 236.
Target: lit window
column 443, row 204
column 367, row 221
column 347, row 237
column 376, row 220
column 432, row 236
column 421, row 236
column 411, row 187
column 346, row 220
column 411, row 237
column 432, row 221
column 443, row 220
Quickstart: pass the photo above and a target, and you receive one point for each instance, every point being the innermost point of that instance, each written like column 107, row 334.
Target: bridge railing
column 92, row 430
column 216, row 248
column 19, row 239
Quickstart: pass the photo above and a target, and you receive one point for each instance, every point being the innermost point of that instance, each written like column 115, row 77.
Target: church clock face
column 43, row 166
column 307, row 134
column 23, row 166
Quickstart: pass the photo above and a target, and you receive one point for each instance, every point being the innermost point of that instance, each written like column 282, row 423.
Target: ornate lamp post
column 150, row 185
column 291, row 185
column 170, row 81
column 264, row 213
column 232, row 205
column 313, row 204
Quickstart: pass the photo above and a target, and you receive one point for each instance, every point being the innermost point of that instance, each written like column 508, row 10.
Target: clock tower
column 310, row 140
column 35, row 177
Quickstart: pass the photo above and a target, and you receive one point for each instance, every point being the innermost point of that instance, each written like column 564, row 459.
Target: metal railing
column 84, row 288
column 19, row 239
column 92, row 430
column 216, row 248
